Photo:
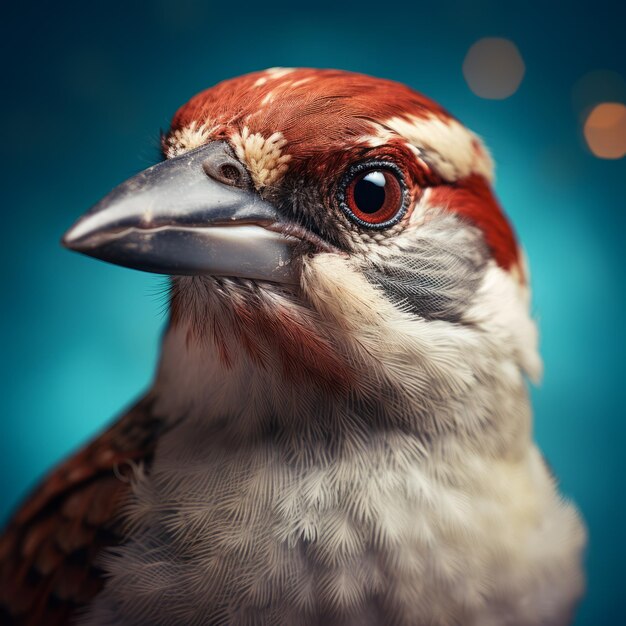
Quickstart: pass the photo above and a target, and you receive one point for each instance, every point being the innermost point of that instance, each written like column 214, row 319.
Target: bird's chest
column 297, row 534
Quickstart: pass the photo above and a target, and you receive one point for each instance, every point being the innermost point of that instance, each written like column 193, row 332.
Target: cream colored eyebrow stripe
column 447, row 146
column 451, row 149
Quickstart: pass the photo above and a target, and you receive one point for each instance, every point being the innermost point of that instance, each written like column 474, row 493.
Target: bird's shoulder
column 49, row 551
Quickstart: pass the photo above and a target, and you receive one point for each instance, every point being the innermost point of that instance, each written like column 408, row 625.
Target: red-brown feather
column 473, row 199
column 324, row 115
column 49, row 552
column 317, row 111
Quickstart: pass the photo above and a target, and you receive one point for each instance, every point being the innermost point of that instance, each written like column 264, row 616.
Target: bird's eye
column 374, row 194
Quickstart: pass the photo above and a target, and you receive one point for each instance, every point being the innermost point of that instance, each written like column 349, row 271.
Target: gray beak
column 194, row 214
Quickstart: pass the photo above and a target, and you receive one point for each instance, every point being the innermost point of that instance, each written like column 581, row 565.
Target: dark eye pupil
column 369, row 192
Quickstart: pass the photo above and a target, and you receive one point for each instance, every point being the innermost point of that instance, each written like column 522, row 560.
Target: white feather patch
column 446, row 145
column 263, row 156
column 187, row 138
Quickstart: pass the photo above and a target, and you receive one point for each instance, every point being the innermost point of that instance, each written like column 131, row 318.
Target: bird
column 339, row 430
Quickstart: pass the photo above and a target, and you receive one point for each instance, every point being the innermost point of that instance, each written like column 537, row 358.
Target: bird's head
column 329, row 222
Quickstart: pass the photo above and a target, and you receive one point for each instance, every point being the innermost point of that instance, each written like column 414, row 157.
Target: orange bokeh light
column 605, row 130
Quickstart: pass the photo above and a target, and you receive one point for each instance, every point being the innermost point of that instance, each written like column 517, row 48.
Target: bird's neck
column 272, row 482
column 436, row 380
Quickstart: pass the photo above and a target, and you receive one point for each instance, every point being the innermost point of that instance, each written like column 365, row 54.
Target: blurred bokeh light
column 596, row 87
column 605, row 130
column 494, row 68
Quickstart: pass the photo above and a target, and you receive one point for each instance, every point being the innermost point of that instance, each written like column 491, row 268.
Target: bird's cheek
column 340, row 292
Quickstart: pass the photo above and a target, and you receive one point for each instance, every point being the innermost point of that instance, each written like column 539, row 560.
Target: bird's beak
column 177, row 218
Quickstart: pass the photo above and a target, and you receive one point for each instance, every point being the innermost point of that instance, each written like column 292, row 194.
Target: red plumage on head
column 315, row 110
column 327, row 119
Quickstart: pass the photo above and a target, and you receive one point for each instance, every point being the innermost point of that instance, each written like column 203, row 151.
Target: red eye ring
column 374, row 194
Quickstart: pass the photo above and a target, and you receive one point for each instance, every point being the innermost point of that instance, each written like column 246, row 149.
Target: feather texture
column 49, row 554
column 413, row 496
column 353, row 449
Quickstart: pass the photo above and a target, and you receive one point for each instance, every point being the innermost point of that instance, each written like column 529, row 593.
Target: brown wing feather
column 49, row 551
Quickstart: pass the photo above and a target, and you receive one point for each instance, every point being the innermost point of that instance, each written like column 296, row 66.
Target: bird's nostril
column 230, row 173
column 225, row 168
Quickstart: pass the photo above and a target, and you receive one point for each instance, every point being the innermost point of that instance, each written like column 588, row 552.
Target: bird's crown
column 300, row 124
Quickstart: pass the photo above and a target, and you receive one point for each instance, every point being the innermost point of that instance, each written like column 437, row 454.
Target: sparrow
column 339, row 430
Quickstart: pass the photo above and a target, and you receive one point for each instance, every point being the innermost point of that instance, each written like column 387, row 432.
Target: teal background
column 85, row 89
